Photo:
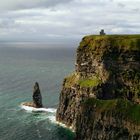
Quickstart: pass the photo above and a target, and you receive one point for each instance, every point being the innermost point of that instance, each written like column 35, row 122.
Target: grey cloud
column 41, row 3
column 121, row 5
column 27, row 4
column 7, row 23
column 136, row 9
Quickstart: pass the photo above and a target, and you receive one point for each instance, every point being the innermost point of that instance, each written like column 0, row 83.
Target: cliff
column 101, row 99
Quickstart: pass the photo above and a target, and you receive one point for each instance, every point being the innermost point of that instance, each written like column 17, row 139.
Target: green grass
column 71, row 80
column 133, row 112
column 94, row 81
column 74, row 79
column 124, row 108
column 125, row 42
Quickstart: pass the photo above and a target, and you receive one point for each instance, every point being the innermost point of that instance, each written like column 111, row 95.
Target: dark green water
column 19, row 69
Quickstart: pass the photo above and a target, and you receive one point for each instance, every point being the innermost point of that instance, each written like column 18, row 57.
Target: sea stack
column 37, row 98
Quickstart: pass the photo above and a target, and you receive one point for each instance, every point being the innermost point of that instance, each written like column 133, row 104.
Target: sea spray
column 51, row 114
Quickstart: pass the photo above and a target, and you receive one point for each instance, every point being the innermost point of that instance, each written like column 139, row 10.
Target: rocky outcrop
column 101, row 99
column 37, row 98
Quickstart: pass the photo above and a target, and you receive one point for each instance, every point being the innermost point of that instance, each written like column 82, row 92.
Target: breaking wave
column 51, row 114
column 33, row 109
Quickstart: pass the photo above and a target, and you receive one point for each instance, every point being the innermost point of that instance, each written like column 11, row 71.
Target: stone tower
column 102, row 32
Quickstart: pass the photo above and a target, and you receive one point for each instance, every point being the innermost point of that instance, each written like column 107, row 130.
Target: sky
column 63, row 21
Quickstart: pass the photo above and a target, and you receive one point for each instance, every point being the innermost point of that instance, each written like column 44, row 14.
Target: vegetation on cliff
column 71, row 80
column 89, row 82
column 125, row 42
column 123, row 108
column 75, row 79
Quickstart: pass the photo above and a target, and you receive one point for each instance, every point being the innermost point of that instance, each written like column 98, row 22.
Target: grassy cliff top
column 122, row 42
column 116, row 36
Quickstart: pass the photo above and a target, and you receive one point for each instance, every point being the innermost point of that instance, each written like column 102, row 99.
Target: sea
column 21, row 65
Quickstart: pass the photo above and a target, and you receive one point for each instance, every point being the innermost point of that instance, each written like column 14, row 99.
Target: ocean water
column 20, row 67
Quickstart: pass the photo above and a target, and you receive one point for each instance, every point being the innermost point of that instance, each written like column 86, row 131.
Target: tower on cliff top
column 102, row 32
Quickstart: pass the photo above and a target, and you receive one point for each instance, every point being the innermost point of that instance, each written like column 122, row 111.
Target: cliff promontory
column 101, row 99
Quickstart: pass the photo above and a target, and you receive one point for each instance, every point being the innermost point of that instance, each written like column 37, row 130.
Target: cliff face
column 101, row 99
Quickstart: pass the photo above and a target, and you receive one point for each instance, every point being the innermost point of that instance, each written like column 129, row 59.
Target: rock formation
column 101, row 99
column 37, row 98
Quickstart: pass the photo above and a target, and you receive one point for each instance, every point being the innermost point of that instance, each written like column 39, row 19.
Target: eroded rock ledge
column 101, row 99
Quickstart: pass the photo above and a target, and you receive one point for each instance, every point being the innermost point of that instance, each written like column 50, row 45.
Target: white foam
column 65, row 126
column 51, row 117
column 33, row 109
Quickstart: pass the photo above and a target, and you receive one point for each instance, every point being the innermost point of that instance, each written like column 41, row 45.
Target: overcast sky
column 66, row 20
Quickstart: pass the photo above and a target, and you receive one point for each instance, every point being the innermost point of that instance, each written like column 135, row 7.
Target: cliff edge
column 101, row 99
